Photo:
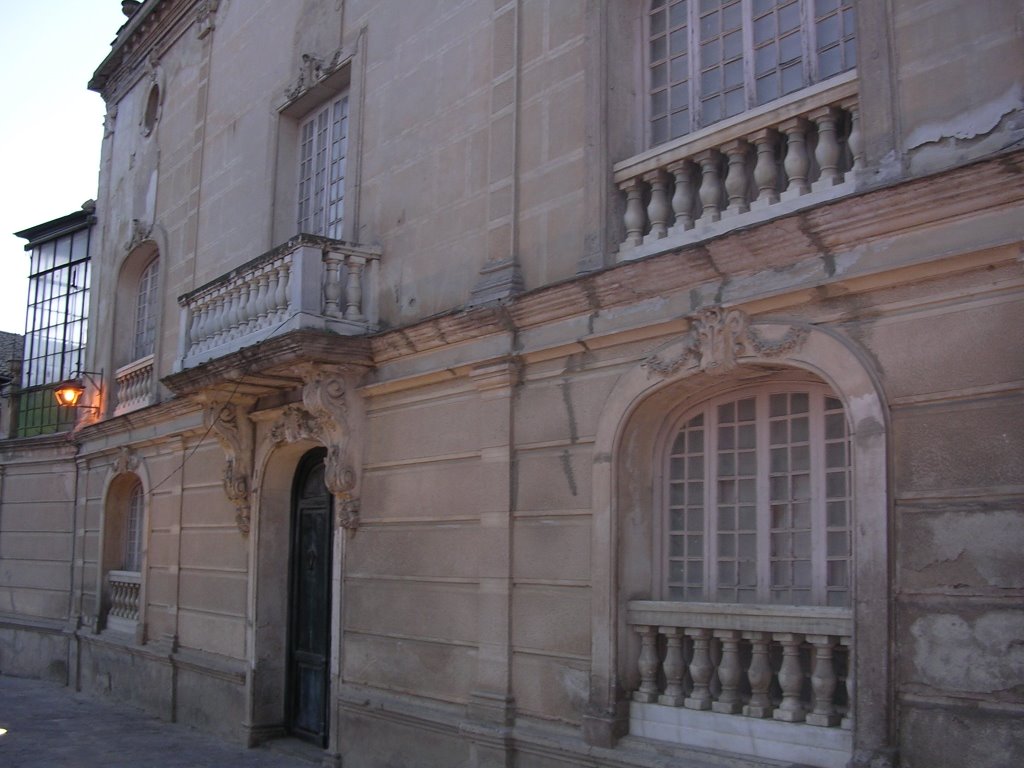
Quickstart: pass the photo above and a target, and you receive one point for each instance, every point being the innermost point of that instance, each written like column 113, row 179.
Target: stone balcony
column 134, row 385
column 310, row 283
column 759, row 165
column 124, row 587
column 770, row 681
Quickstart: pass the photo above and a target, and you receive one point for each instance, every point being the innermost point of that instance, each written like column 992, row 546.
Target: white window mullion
column 763, row 501
column 818, row 521
column 809, row 41
column 711, row 503
column 750, row 92
column 693, row 34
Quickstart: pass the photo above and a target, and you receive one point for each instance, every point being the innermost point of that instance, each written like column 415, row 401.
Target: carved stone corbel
column 126, row 461
column 324, row 418
column 718, row 337
column 141, row 232
column 205, row 13
column 229, row 420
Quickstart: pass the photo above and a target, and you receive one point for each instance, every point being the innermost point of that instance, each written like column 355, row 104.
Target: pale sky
column 51, row 125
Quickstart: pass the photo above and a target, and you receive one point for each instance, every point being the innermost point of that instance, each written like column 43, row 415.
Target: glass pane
column 732, row 45
column 801, row 514
column 801, row 486
column 726, row 464
column 792, row 78
column 747, row 518
column 659, row 130
column 802, row 544
column 695, row 493
column 789, row 17
column 676, row 519
column 835, row 455
column 676, row 495
column 828, row 31
column 748, row 490
column 695, row 466
column 835, row 426
column 790, row 48
column 838, row 573
column 764, row 59
column 747, row 436
column 726, row 438
column 799, row 429
column 695, row 441
column 735, row 102
column 659, row 103
column 821, row 7
column 694, row 545
column 678, row 41
column 747, row 463
column 727, row 573
column 838, row 544
column 679, row 68
column 695, row 520
column 778, row 405
column 748, row 546
column 677, row 545
column 657, row 22
column 726, row 545
column 829, row 63
column 680, row 123
column 694, row 572
column 764, row 29
column 709, row 26
column 659, row 75
column 727, row 491
column 747, row 409
column 801, row 573
column 779, row 432
column 677, row 14
column 767, row 88
column 726, row 518
column 734, row 73
column 801, row 457
column 680, row 96
column 835, row 484
column 836, row 514
column 658, row 48
column 779, row 460
column 711, row 110
column 711, row 81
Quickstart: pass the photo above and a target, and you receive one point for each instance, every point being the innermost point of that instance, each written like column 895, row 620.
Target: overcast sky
column 51, row 125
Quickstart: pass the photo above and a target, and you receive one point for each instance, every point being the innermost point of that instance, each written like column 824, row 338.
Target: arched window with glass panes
column 132, row 557
column 708, row 60
column 757, row 500
column 146, row 304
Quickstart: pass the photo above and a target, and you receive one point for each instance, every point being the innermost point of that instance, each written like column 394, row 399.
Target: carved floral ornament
column 126, row 461
column 229, row 420
column 718, row 337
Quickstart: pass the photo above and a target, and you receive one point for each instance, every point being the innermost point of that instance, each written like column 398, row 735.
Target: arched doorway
column 309, row 612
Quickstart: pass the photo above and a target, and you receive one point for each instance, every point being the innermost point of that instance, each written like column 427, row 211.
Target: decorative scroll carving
column 126, row 461
column 234, row 431
column 205, row 17
column 719, row 337
column 141, row 232
column 312, row 70
column 324, row 418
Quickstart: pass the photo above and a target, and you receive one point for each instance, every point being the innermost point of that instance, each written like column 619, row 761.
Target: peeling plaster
column 977, row 121
column 952, row 653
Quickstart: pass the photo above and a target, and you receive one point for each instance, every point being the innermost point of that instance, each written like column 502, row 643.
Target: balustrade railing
column 756, row 166
column 134, row 385
column 124, row 587
column 309, row 282
column 789, row 664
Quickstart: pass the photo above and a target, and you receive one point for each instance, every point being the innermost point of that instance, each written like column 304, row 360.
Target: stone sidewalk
column 49, row 726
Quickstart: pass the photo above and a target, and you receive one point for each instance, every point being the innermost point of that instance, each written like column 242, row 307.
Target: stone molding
column 205, row 17
column 718, row 338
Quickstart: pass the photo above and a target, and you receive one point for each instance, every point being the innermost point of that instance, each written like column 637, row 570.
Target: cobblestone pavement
column 50, row 726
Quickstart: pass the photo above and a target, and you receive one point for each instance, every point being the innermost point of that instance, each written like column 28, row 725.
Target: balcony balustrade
column 759, row 165
column 308, row 283
column 134, row 385
column 124, row 600
column 708, row 671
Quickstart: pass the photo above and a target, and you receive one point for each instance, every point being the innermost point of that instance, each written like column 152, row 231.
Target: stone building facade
column 548, row 382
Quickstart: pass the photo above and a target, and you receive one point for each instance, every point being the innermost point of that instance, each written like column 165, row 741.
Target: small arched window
column 132, row 559
column 757, row 500
column 146, row 306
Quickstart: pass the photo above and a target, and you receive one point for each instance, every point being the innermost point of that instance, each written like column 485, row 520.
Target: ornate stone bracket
column 205, row 17
column 718, row 338
column 312, row 70
column 324, row 418
column 126, row 461
column 229, row 420
column 141, row 232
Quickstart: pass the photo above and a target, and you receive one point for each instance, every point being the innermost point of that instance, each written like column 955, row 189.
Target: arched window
column 757, row 500
column 132, row 560
column 146, row 307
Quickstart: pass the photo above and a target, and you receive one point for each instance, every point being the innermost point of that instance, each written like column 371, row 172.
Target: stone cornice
column 272, row 365
column 153, row 29
column 814, row 235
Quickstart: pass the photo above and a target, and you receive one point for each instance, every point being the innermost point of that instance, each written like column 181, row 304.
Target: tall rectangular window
column 709, row 60
column 55, row 328
column 323, row 146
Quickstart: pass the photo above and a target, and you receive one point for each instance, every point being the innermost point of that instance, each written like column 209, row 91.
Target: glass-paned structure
column 323, row 146
column 56, row 322
column 758, row 501
column 709, row 60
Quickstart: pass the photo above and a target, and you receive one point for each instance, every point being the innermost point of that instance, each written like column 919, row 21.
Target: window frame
column 809, row 54
column 661, row 501
column 147, row 303
column 134, row 515
column 325, row 223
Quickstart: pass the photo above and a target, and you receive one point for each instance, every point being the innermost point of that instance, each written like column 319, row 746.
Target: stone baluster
column 823, row 682
column 251, row 303
column 220, row 317
column 332, row 285
column 192, row 335
column 674, row 668
column 657, row 208
column 634, row 218
column 729, row 673
column 827, row 151
column 791, row 678
column 281, row 299
column 682, row 197
column 797, row 162
column 271, row 271
column 855, row 140
column 115, row 598
column 201, row 317
column 204, row 333
column 647, row 664
column 261, row 298
column 736, row 177
column 759, row 675
column 133, row 602
column 700, row 670
column 766, row 169
column 847, row 722
column 354, row 289
column 710, row 186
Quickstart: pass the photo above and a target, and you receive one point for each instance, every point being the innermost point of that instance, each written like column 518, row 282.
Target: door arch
column 309, row 602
